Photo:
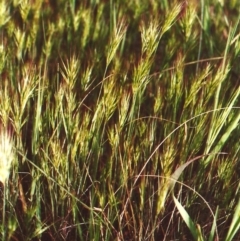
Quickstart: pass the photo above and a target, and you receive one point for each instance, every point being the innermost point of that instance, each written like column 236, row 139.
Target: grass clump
column 125, row 118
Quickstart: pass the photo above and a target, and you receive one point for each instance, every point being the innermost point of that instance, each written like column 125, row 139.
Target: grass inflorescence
column 123, row 119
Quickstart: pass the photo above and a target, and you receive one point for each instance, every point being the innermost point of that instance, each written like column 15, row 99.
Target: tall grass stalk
column 106, row 100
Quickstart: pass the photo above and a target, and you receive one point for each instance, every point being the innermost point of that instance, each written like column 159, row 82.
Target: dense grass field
column 119, row 120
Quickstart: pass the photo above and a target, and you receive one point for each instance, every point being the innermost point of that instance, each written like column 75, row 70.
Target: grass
column 124, row 117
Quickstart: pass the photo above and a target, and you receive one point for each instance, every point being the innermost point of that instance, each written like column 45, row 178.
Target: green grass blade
column 232, row 126
column 194, row 231
column 214, row 226
column 235, row 225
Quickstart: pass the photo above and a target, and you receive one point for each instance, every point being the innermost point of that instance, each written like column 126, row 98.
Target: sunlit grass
column 124, row 119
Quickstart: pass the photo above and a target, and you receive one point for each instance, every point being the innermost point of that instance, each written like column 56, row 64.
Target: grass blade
column 194, row 231
column 214, row 225
column 235, row 225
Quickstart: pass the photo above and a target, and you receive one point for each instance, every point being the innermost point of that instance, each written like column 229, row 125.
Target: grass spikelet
column 107, row 102
column 118, row 35
column 187, row 20
column 4, row 13
column 171, row 18
column 150, row 38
